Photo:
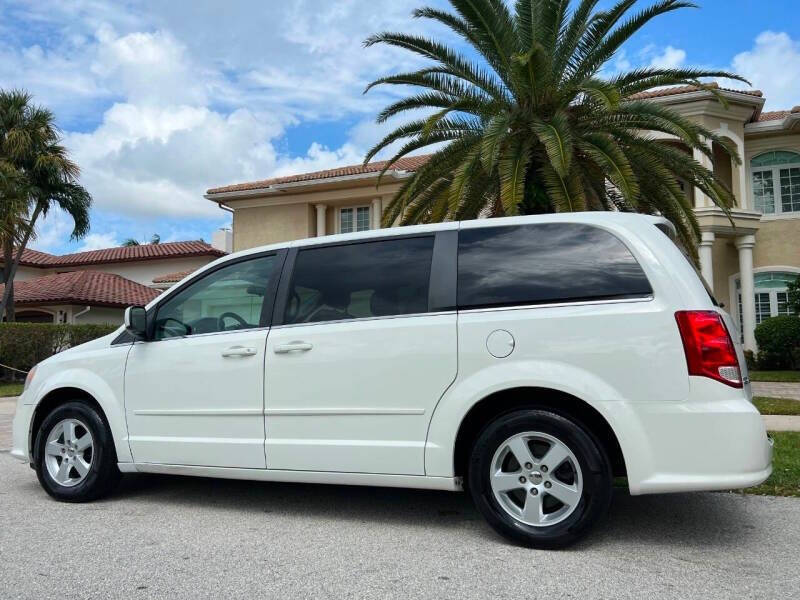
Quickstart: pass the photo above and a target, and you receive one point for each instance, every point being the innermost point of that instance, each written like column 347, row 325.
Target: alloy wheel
column 69, row 451
column 536, row 478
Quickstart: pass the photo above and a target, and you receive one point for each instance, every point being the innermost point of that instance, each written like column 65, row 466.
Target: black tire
column 596, row 476
column 103, row 473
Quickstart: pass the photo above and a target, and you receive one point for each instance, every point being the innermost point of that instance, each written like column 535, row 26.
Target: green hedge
column 779, row 343
column 22, row 345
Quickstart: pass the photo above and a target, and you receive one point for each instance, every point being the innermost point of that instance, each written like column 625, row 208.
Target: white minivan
column 529, row 360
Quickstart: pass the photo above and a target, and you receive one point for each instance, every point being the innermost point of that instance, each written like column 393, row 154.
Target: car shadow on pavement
column 693, row 521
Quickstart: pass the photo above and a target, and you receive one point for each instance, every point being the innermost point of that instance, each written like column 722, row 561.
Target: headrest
column 381, row 304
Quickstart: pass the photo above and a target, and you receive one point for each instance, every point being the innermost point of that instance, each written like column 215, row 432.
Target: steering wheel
column 233, row 316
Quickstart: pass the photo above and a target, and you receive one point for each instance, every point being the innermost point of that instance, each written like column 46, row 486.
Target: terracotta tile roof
column 171, row 277
column 778, row 115
column 119, row 254
column 93, row 288
column 136, row 253
column 685, row 89
column 34, row 258
column 409, row 163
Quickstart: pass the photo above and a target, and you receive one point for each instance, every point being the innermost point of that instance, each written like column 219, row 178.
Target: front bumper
column 698, row 446
column 20, row 430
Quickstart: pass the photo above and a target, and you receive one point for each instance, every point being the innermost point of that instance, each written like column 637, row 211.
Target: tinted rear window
column 368, row 279
column 536, row 264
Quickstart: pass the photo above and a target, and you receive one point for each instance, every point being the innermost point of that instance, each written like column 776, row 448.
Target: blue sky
column 160, row 100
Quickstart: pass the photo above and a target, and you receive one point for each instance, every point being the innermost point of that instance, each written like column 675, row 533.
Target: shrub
column 750, row 359
column 22, row 345
column 778, row 342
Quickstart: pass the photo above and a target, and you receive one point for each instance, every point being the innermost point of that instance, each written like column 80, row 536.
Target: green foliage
column 750, row 359
column 794, row 296
column 785, row 478
column 22, row 345
column 778, row 342
column 780, row 376
column 10, row 389
column 777, row 406
column 530, row 126
column 36, row 175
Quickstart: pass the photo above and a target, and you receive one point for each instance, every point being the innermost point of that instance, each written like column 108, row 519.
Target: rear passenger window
column 536, row 264
column 368, row 279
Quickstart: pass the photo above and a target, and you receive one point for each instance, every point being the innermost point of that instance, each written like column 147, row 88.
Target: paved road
column 7, row 408
column 776, row 389
column 782, row 422
column 198, row 538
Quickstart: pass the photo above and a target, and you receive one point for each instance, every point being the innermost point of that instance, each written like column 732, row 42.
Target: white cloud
column 670, row 58
column 51, row 231
column 773, row 66
column 162, row 103
column 98, row 241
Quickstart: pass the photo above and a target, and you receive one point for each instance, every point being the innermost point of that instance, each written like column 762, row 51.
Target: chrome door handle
column 293, row 347
column 239, row 351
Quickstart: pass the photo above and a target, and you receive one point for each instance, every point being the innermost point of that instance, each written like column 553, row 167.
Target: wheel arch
column 52, row 400
column 508, row 400
column 98, row 396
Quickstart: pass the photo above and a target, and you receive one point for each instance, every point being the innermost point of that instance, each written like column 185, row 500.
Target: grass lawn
column 785, row 478
column 781, row 376
column 10, row 389
column 777, row 406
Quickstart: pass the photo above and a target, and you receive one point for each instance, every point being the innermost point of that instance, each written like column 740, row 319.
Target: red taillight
column 708, row 346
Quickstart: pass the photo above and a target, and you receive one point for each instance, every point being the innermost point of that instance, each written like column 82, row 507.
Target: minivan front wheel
column 74, row 455
column 539, row 478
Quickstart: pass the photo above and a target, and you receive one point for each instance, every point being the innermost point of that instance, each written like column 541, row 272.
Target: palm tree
column 533, row 126
column 155, row 239
column 36, row 174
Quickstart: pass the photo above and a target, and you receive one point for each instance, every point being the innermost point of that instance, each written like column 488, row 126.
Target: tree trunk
column 9, row 289
column 8, row 258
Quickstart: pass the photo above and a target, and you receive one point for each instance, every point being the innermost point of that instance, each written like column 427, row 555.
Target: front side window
column 353, row 219
column 537, row 264
column 776, row 182
column 369, row 279
column 227, row 299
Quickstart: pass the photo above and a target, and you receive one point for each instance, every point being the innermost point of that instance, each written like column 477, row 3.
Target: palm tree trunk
column 9, row 289
column 8, row 257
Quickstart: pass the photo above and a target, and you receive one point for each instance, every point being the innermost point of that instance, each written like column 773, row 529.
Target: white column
column 701, row 200
column 706, row 257
column 321, row 210
column 745, row 245
column 744, row 189
column 376, row 213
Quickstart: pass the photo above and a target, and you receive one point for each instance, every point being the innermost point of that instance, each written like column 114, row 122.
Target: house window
column 353, row 219
column 776, row 182
column 771, row 296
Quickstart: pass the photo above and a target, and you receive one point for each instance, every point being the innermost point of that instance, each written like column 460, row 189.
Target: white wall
column 24, row 273
column 144, row 271
column 98, row 315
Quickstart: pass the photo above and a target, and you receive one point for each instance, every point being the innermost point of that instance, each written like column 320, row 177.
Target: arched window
column 33, row 316
column 771, row 297
column 776, row 182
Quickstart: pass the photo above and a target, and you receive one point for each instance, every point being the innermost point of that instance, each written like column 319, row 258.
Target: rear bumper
column 698, row 446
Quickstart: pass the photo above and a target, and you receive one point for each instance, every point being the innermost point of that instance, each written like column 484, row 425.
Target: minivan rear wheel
column 539, row 478
column 74, row 454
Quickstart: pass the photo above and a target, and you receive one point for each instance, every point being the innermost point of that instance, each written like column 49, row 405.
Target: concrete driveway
column 200, row 538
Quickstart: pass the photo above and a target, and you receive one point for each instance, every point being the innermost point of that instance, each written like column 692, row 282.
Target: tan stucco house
column 96, row 286
column 748, row 263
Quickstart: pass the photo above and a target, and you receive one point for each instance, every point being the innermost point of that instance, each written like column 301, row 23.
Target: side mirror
column 136, row 321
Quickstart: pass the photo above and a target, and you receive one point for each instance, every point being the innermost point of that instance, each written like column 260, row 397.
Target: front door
column 194, row 393
column 358, row 362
